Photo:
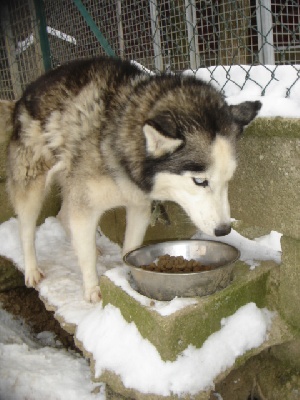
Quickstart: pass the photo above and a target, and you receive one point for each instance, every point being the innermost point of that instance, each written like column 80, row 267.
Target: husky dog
column 112, row 135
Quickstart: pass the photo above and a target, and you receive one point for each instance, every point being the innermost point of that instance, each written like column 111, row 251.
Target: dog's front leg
column 137, row 221
column 83, row 226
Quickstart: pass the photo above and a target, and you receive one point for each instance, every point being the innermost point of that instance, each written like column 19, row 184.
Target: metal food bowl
column 166, row 286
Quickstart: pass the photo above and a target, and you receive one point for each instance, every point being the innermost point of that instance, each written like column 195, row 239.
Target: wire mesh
column 162, row 35
column 20, row 58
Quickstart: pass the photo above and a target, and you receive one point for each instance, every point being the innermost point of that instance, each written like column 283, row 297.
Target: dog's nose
column 223, row 230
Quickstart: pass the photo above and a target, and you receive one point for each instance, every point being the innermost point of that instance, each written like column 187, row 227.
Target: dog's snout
column 223, row 230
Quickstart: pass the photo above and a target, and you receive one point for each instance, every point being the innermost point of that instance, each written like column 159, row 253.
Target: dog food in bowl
column 175, row 265
column 219, row 257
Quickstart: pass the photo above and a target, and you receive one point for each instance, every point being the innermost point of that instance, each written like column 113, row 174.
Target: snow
column 252, row 251
column 30, row 369
column 244, row 330
column 277, row 87
column 37, row 367
column 29, row 365
column 25, row 44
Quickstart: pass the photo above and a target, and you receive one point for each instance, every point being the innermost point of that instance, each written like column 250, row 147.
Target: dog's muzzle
column 223, row 230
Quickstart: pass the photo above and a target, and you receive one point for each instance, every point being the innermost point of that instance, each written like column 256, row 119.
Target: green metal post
column 91, row 23
column 42, row 28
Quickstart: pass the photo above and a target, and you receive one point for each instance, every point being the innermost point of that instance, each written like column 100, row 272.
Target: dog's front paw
column 33, row 277
column 93, row 294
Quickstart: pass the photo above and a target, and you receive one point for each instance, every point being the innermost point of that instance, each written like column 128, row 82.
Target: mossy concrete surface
column 3, row 150
column 288, row 353
column 289, row 289
column 169, row 222
column 6, row 210
column 274, row 126
column 193, row 324
column 265, row 190
column 117, row 386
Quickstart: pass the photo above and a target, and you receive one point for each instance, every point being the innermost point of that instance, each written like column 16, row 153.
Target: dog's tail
column 6, row 119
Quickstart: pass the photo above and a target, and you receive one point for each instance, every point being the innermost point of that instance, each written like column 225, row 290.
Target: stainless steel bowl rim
column 182, row 242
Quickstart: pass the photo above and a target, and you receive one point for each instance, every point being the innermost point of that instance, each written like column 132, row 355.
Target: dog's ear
column 245, row 112
column 157, row 143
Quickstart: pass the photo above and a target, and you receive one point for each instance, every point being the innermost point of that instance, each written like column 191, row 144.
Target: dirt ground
column 25, row 303
column 261, row 378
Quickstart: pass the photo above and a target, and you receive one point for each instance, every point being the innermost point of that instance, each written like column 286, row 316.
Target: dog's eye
column 200, row 182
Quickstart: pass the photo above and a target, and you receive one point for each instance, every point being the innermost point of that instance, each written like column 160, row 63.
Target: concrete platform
column 194, row 323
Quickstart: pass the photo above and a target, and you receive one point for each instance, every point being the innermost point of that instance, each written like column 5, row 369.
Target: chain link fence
column 162, row 35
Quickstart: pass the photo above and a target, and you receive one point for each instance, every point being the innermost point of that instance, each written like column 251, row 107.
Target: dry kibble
column 175, row 264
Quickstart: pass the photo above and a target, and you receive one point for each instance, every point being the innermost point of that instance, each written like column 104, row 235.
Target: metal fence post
column 43, row 34
column 191, row 22
column 120, row 28
column 155, row 29
column 91, row 23
column 265, row 32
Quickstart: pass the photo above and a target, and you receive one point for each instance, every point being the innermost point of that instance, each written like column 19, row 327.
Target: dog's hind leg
column 27, row 203
column 137, row 221
column 63, row 216
column 83, row 224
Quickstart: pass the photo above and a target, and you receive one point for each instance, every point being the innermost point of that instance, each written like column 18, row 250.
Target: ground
column 261, row 378
column 25, row 303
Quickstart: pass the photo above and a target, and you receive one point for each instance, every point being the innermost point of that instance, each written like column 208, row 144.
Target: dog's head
column 190, row 153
